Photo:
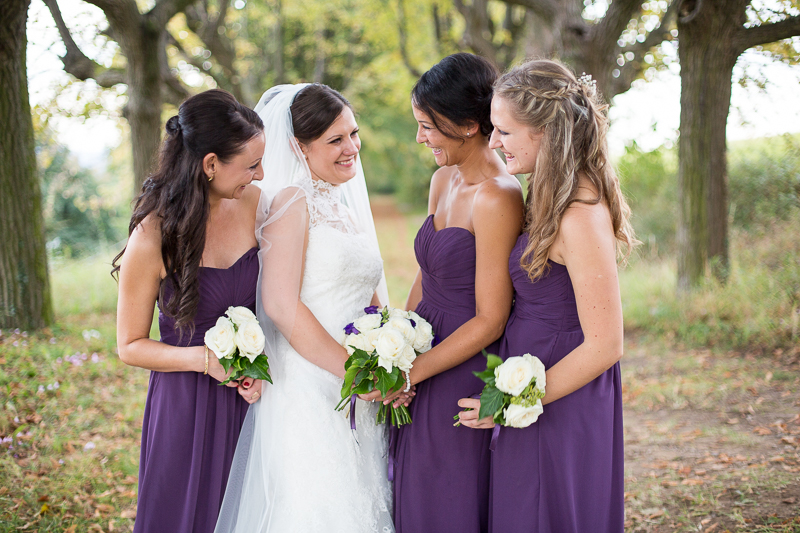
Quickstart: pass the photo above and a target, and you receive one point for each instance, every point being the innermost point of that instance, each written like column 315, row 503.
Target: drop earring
column 212, row 176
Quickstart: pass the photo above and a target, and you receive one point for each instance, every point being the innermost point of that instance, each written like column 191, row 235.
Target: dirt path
column 711, row 440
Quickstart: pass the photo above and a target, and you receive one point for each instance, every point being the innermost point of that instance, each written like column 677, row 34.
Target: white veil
column 281, row 233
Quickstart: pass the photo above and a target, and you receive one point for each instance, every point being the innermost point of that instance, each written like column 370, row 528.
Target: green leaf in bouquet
column 492, row 361
column 384, row 382
column 349, row 376
column 487, row 376
column 226, row 364
column 491, row 401
column 258, row 369
column 365, row 387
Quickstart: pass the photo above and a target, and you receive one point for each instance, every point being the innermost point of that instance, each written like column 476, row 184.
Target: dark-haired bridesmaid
column 192, row 250
column 564, row 473
column 463, row 289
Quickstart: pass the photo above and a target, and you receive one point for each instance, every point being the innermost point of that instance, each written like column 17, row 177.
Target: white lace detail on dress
column 324, row 201
column 317, row 474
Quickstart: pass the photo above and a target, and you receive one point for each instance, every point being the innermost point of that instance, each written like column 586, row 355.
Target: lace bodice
column 322, row 476
column 325, row 207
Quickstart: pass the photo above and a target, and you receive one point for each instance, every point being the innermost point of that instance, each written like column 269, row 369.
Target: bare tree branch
column 659, row 34
column 164, row 10
column 76, row 62
column 767, row 33
column 401, row 28
column 545, row 9
column 605, row 33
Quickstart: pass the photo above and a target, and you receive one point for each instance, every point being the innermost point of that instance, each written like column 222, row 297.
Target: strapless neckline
column 435, row 231
column 241, row 258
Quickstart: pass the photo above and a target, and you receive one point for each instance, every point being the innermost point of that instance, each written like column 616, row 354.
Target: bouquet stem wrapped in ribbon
column 238, row 342
column 382, row 345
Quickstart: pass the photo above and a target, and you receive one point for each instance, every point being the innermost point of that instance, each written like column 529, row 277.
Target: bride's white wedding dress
column 304, row 470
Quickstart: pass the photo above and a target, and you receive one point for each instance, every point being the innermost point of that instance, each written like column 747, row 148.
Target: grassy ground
column 711, row 435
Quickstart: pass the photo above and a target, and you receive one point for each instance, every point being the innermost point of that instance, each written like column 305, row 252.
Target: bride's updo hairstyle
column 177, row 192
column 546, row 96
column 459, row 89
column 314, row 109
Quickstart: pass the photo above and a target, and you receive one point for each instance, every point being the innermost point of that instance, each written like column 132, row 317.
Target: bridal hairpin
column 586, row 80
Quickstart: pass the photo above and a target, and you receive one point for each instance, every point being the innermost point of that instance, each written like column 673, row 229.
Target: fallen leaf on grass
column 128, row 513
column 669, row 483
column 712, row 527
column 692, row 481
column 762, row 431
column 733, row 421
column 790, row 500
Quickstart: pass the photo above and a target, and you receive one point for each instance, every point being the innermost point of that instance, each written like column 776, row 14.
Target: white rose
column 538, row 371
column 519, row 416
column 220, row 338
column 372, row 338
column 406, row 359
column 367, row 322
column 397, row 313
column 361, row 342
column 404, row 326
column 423, row 334
column 389, row 347
column 240, row 315
column 250, row 340
column 513, row 375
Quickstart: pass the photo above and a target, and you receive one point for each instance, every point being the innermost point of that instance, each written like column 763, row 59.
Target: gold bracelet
column 205, row 372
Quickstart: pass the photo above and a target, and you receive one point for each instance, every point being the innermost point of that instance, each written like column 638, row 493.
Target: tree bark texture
column 25, row 300
column 712, row 35
column 707, row 58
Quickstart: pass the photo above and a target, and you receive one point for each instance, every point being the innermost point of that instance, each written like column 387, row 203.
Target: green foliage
column 758, row 308
column 764, row 180
column 81, row 214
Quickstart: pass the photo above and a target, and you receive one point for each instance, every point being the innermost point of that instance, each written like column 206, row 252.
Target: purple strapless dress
column 191, row 423
column 442, row 472
column 563, row 474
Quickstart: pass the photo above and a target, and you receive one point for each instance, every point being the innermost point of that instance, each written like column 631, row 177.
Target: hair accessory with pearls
column 587, row 81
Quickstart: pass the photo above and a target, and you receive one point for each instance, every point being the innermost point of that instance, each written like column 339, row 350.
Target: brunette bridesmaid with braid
column 564, row 473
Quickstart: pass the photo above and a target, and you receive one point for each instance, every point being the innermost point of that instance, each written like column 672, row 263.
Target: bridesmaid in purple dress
column 191, row 249
column 464, row 290
column 564, row 473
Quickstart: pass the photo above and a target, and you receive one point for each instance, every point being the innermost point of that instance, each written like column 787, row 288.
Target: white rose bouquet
column 239, row 344
column 514, row 390
column 383, row 345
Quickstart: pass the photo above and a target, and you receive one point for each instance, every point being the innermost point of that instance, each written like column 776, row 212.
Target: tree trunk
column 24, row 283
column 143, row 110
column 707, row 57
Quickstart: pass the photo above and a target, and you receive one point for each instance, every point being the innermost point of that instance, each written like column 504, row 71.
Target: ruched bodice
column 191, row 424
column 219, row 288
column 566, row 470
column 431, row 454
column 550, row 301
column 447, row 261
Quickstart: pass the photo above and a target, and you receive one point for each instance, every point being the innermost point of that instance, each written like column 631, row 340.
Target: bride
column 298, row 465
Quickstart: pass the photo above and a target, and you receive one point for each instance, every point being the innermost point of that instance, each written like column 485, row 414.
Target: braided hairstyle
column 546, row 96
column 177, row 192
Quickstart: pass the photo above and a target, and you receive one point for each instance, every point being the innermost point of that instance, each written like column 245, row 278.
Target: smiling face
column 518, row 142
column 332, row 157
column 231, row 177
column 446, row 151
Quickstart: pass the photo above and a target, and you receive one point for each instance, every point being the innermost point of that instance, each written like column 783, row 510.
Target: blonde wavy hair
column 546, row 96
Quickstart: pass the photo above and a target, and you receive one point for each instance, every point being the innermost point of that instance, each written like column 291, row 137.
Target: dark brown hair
column 314, row 109
column 177, row 192
column 458, row 88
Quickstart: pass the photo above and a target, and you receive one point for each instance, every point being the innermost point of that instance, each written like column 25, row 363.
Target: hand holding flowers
column 383, row 345
column 238, row 343
column 514, row 390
